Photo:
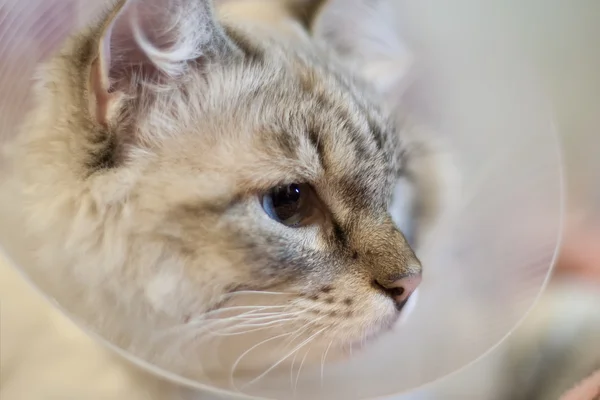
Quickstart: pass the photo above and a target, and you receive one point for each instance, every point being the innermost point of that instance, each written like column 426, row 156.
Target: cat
column 198, row 183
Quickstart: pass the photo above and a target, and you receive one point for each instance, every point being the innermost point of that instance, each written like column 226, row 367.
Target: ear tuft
column 170, row 46
column 151, row 43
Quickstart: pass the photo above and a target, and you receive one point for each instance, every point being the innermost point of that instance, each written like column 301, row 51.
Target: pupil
column 287, row 201
column 284, row 196
column 293, row 192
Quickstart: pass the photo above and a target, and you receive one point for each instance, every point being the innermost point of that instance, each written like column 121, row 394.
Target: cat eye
column 289, row 205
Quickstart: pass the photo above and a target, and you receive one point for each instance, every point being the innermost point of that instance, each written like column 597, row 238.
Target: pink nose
column 401, row 289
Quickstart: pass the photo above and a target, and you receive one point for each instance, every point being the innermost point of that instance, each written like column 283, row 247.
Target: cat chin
column 232, row 360
column 367, row 340
column 391, row 325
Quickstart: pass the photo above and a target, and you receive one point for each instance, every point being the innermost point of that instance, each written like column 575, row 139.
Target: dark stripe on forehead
column 367, row 111
column 360, row 148
column 357, row 140
column 316, row 140
column 357, row 134
column 286, row 142
column 367, row 186
column 355, row 193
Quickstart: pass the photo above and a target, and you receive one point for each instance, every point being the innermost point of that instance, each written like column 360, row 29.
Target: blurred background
column 559, row 342
column 556, row 346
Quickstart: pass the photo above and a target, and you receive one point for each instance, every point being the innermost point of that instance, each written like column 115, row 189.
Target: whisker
column 269, row 321
column 302, row 329
column 226, row 334
column 202, row 322
column 242, row 332
column 260, row 316
column 253, row 312
column 254, row 317
column 305, row 342
column 209, row 333
column 363, row 339
column 239, row 359
column 260, row 326
column 251, row 318
column 300, row 369
column 323, row 361
column 292, row 373
column 256, row 292
column 235, row 308
column 201, row 319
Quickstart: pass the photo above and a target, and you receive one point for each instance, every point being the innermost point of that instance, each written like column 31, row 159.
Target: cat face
column 290, row 199
column 214, row 191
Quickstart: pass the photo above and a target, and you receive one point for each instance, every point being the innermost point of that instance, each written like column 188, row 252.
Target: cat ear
column 151, row 42
column 365, row 34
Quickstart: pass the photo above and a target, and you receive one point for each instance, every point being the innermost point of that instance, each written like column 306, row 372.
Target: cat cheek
column 161, row 292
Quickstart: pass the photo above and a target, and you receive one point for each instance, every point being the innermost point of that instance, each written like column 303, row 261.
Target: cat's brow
column 361, row 134
column 317, row 143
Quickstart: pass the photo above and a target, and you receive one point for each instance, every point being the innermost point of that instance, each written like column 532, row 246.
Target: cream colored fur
column 103, row 239
column 35, row 340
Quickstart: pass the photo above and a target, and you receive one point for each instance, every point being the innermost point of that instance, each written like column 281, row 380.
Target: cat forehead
column 304, row 95
column 313, row 114
column 281, row 115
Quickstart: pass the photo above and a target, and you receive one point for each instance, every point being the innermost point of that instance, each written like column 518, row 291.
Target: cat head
column 194, row 187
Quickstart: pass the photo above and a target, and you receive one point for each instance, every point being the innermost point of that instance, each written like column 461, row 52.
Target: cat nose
column 400, row 289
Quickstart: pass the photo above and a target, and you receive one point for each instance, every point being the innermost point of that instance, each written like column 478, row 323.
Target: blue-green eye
column 288, row 204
